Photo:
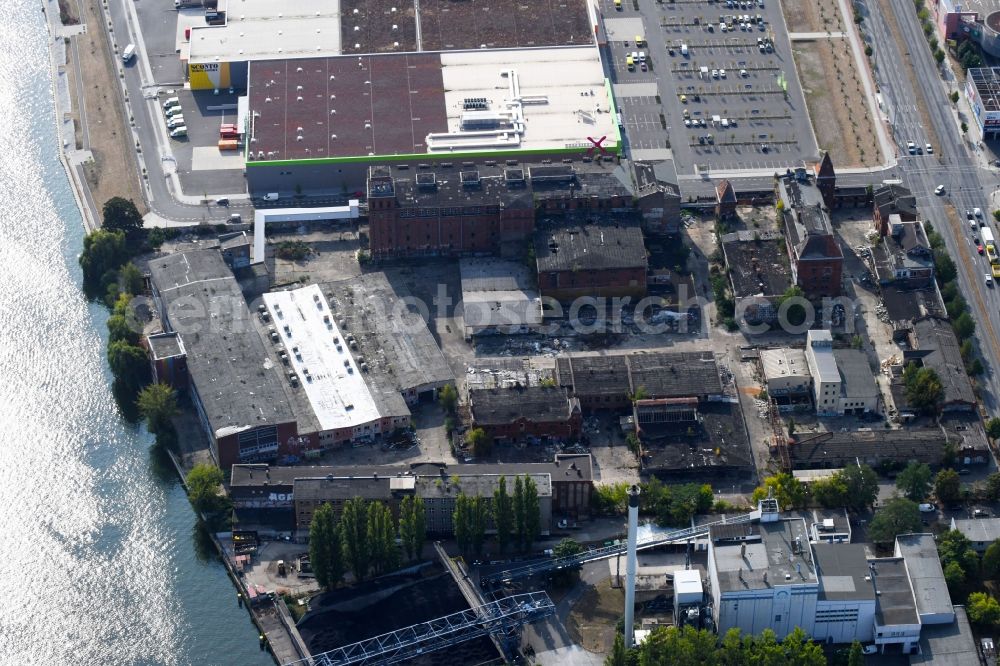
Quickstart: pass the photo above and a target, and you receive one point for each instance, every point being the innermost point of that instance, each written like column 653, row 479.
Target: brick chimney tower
column 826, row 180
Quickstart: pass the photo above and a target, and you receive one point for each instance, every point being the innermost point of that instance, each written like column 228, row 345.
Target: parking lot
column 203, row 169
column 713, row 83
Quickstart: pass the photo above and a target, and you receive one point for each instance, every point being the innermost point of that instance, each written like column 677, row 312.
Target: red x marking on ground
column 597, row 144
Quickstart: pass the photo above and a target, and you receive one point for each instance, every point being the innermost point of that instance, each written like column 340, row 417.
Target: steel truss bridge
column 503, row 617
column 546, row 565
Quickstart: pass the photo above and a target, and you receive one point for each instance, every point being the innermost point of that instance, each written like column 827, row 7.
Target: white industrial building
column 786, row 371
column 779, row 574
column 317, row 356
column 842, row 381
column 980, row 531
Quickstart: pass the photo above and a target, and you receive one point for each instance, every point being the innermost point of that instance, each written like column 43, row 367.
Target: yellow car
column 996, row 270
column 684, row 99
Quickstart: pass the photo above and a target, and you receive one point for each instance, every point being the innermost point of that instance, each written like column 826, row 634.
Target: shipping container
column 229, row 144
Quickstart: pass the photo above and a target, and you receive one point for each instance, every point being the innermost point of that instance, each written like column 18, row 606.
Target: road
column 951, row 165
column 166, row 200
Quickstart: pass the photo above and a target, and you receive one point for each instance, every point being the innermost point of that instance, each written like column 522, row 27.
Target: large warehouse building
column 334, row 86
column 318, row 123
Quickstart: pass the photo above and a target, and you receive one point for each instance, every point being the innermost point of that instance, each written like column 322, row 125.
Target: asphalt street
column 143, row 82
column 952, row 165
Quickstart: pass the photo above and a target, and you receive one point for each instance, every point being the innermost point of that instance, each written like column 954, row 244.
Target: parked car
column 927, row 508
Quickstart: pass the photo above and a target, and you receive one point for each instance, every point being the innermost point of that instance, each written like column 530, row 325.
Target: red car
column 979, row 249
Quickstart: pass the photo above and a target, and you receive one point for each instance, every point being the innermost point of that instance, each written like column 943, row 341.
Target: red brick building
column 533, row 412
column 725, row 200
column 448, row 211
column 461, row 208
column 892, row 199
column 591, row 260
column 816, row 259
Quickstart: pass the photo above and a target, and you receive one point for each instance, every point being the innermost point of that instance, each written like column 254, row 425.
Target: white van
column 684, row 50
column 271, row 196
column 173, row 112
column 128, row 53
column 172, row 101
column 178, row 132
column 175, row 122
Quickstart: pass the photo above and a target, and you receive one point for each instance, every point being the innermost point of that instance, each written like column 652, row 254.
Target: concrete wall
column 781, row 608
column 844, row 621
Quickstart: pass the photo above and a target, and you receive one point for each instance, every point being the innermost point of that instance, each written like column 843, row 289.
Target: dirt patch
column 594, row 617
column 812, row 16
column 835, row 97
column 114, row 171
column 68, row 13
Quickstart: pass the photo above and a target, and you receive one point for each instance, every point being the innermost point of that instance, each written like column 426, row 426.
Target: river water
column 101, row 560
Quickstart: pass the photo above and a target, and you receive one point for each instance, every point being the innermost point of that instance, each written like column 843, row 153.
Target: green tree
column 406, row 525
column 382, row 539
column 954, row 97
column 990, row 566
column 103, row 253
column 354, row 537
column 678, row 647
column 993, row 486
column 796, row 311
column 203, row 483
column 130, row 367
column 964, row 326
column 478, row 518
column 479, row 442
column 947, row 485
column 898, row 516
column 983, row 609
column 461, row 523
column 532, row 513
column 325, row 550
column 419, row 526
column 922, row 388
column 121, row 215
column 954, row 575
column 448, row 397
column 993, row 428
column 799, row 650
column 915, row 481
column 959, row 560
column 830, row 492
column 683, row 501
column 786, row 488
column 618, row 656
column 856, row 656
column 130, row 280
column 503, row 514
column 566, row 548
column 862, row 486
column 519, row 525
column 119, row 329
column 158, row 404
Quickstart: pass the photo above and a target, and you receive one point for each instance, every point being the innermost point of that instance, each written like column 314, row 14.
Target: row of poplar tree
column 367, row 540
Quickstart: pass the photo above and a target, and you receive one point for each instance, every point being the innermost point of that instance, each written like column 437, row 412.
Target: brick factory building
column 532, row 413
column 591, row 260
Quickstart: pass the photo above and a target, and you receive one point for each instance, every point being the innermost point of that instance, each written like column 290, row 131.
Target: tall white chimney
column 630, row 566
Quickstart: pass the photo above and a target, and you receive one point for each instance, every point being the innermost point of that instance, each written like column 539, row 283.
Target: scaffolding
column 555, row 563
column 504, row 617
